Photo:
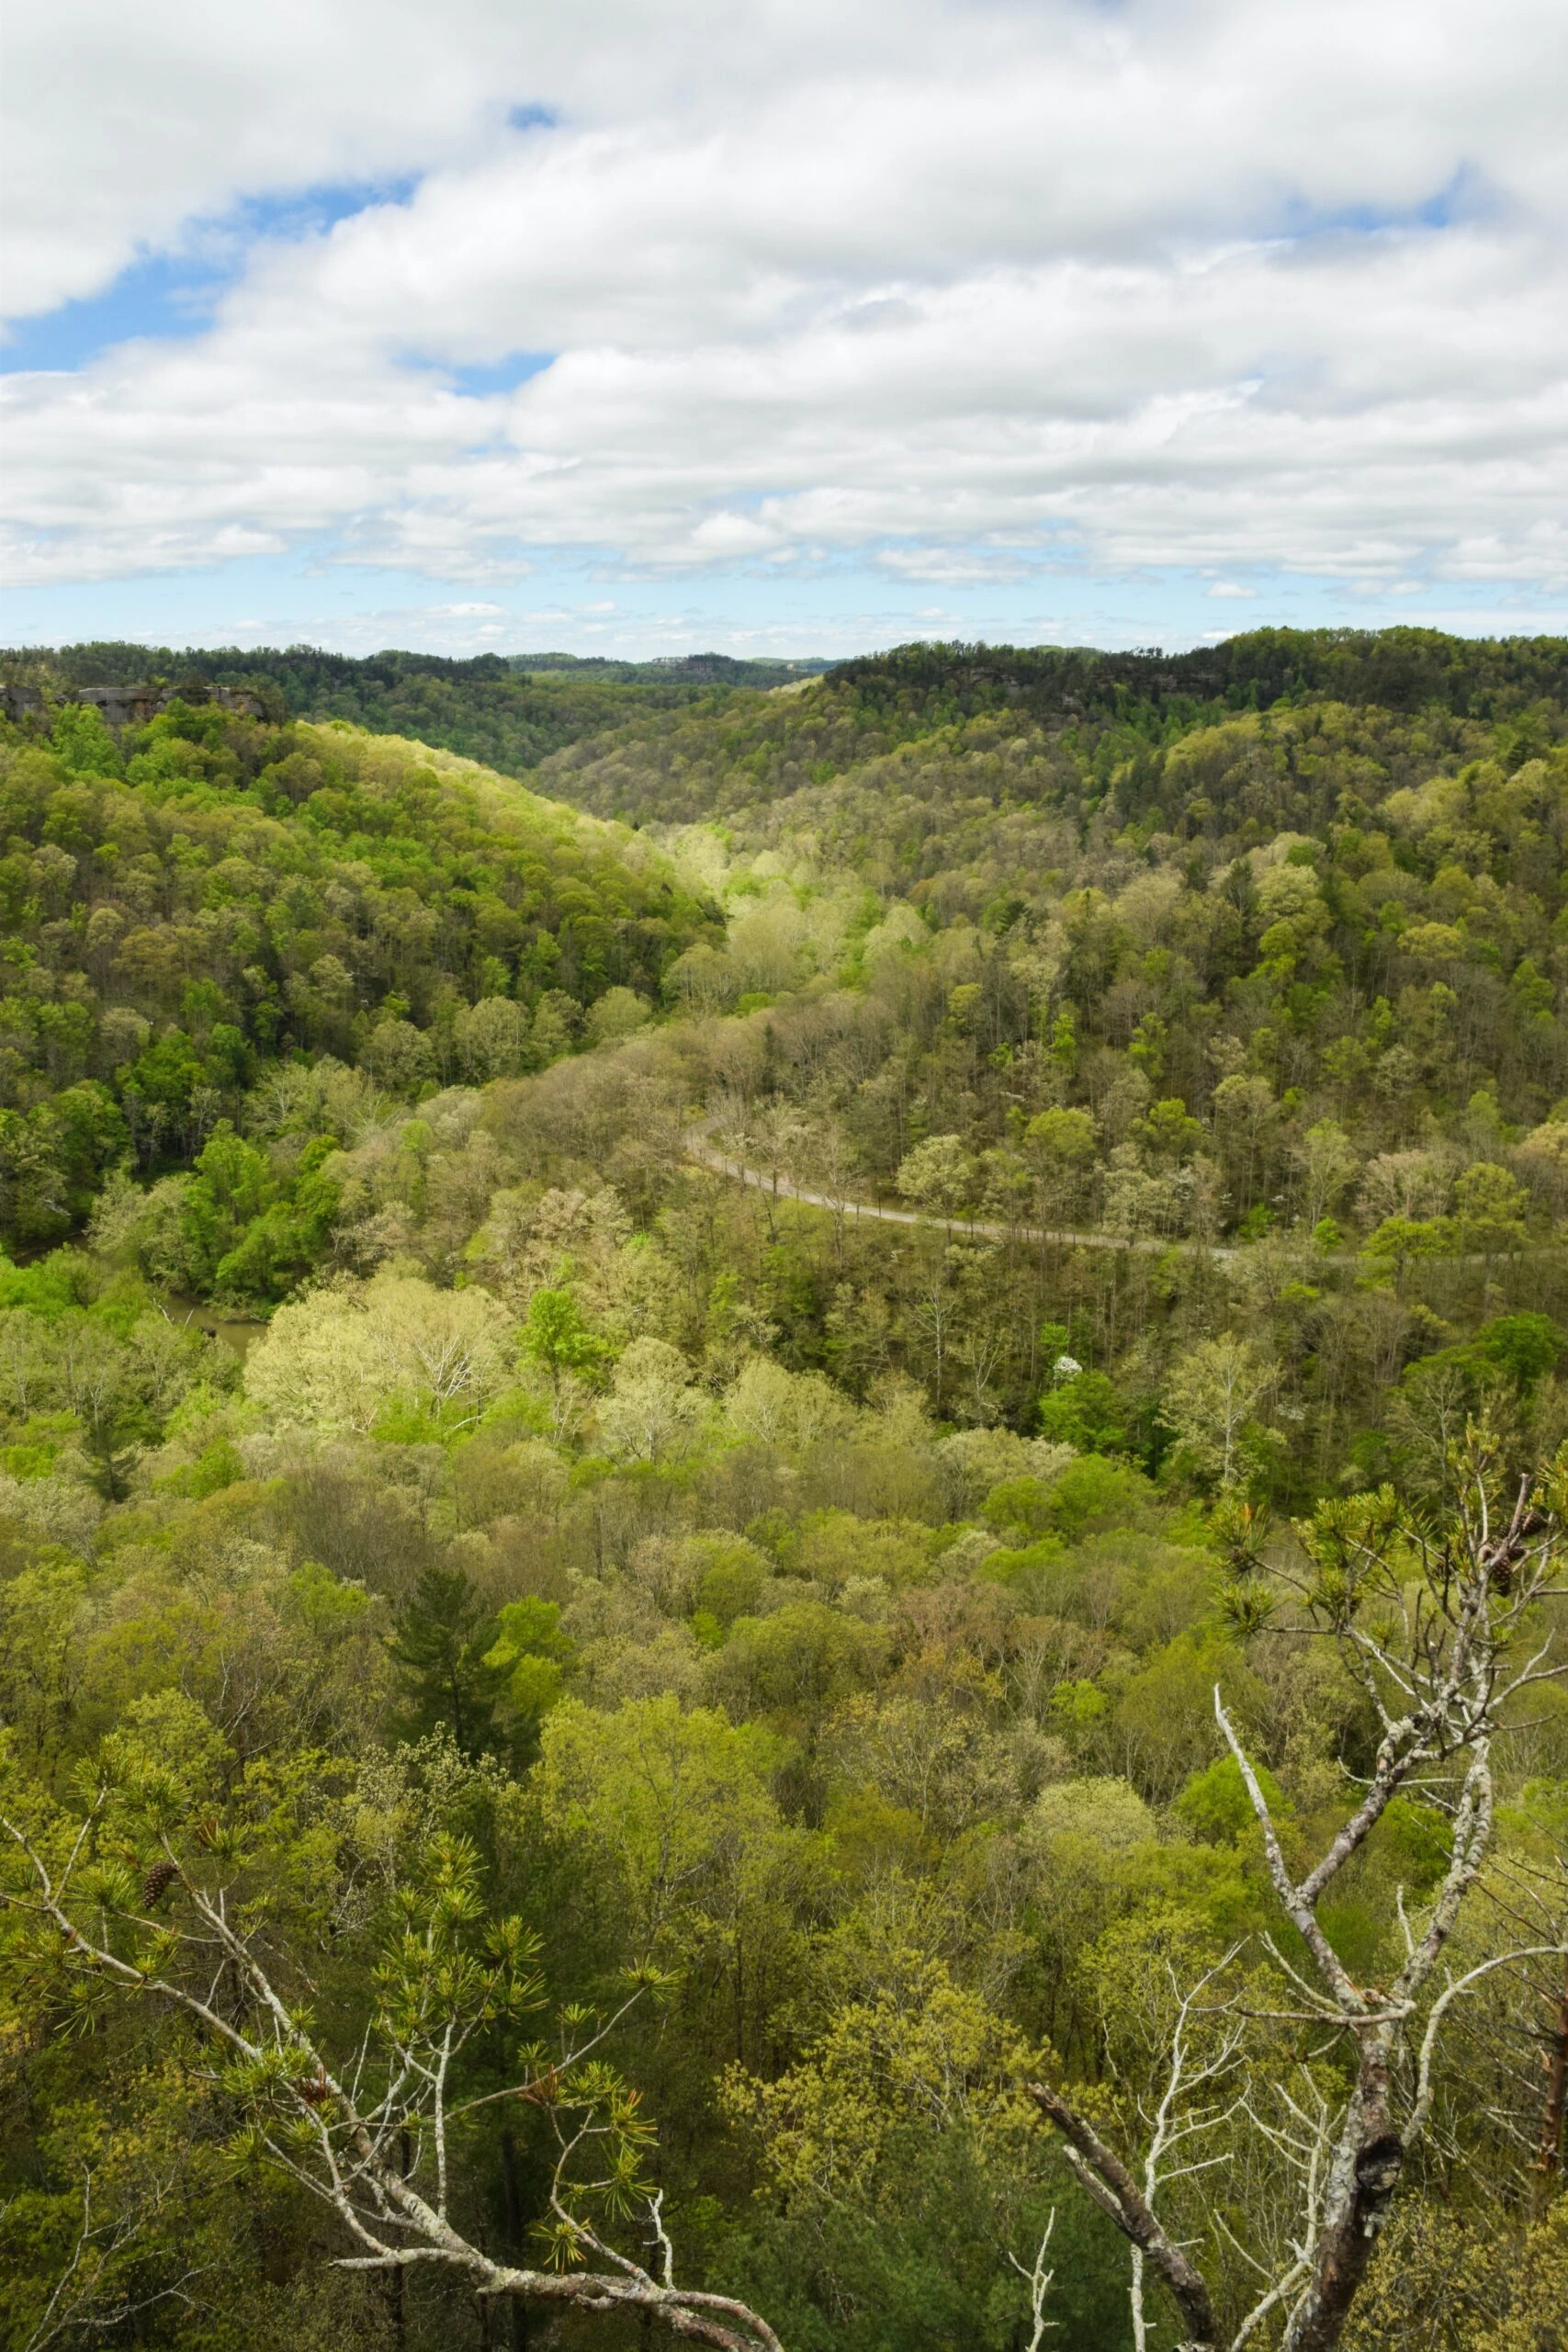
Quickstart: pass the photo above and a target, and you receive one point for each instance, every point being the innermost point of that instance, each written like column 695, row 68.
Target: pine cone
column 157, row 1883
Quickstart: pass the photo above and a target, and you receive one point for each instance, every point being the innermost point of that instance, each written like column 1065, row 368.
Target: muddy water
column 236, row 1331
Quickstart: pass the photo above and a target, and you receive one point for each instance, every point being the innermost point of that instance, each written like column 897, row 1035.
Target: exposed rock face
column 132, row 706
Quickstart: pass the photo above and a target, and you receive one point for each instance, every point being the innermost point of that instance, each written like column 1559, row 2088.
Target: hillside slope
column 213, row 897
column 1196, row 894
column 508, row 713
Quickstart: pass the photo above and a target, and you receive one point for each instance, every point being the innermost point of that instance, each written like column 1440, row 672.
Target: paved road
column 698, row 1148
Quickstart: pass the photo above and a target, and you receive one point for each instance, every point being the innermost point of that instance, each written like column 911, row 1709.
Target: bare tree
column 829, row 1160
column 1499, row 2110
column 88, row 2296
column 1443, row 1628
column 932, row 1311
column 1037, row 2279
column 778, row 1134
column 374, row 2134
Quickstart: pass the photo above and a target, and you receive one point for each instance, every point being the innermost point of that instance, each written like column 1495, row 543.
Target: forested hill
column 1091, row 717
column 663, row 1757
column 509, row 713
column 512, row 711
column 210, row 896
column 1399, row 669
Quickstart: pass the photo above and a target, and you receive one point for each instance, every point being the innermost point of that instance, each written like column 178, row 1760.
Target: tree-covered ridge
column 508, row 713
column 214, row 896
column 1395, row 669
column 1294, row 966
column 1086, row 715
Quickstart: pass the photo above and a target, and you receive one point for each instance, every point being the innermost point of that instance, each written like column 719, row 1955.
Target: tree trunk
column 1367, row 2167
column 1549, row 2157
column 513, row 2200
column 400, row 2312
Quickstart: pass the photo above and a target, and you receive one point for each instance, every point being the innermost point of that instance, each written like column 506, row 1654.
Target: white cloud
column 977, row 290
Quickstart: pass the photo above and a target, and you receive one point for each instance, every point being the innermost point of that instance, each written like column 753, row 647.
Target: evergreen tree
column 438, row 1644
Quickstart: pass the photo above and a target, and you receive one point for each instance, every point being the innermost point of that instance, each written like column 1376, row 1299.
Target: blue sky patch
column 1460, row 197
column 310, row 211
column 501, row 375
column 311, row 595
column 175, row 294
column 165, row 295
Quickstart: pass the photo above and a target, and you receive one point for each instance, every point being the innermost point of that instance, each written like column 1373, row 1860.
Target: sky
column 785, row 329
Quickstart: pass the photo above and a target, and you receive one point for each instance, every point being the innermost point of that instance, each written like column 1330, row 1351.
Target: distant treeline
column 512, row 711
column 1397, row 669
column 509, row 712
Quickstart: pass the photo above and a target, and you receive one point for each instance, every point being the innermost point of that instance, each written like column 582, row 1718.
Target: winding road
column 699, row 1148
column 695, row 1140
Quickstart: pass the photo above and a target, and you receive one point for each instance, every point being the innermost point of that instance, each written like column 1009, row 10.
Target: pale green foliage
column 64, row 1510
column 974, row 1461
column 1061, row 1139
column 1543, row 1154
column 336, row 1359
column 939, row 1175
column 791, row 1409
column 619, row 1013
column 398, row 1057
column 653, row 1413
column 1105, row 1810
column 1491, row 1210
column 923, row 2056
column 1404, row 1184
column 1211, row 1400
column 676, row 1803
column 1329, row 1165
column 936, row 1758
column 492, row 1038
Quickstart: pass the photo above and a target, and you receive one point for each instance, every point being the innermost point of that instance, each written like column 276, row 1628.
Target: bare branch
column 1119, row 2195
column 1439, row 2010
column 351, row 2168
column 1038, row 2281
column 1297, row 1904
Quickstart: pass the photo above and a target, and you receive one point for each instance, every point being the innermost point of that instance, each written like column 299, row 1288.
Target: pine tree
column 439, row 1644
